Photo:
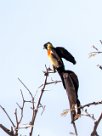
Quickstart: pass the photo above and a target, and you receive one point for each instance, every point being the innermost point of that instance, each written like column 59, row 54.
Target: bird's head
column 48, row 46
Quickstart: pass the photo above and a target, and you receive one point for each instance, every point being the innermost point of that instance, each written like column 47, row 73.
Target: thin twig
column 7, row 116
column 52, row 82
column 33, row 116
column 42, row 91
column 39, row 101
column 17, row 123
column 90, row 104
column 94, row 133
column 101, row 42
column 25, row 86
column 21, row 108
column 75, row 129
column 96, row 52
column 91, row 116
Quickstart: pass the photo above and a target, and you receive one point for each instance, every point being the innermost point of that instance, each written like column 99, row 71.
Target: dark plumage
column 55, row 54
column 58, row 53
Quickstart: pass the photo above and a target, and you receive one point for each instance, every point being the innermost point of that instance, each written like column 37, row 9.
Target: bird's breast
column 49, row 53
column 54, row 61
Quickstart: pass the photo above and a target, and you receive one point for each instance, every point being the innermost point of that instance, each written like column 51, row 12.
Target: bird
column 55, row 55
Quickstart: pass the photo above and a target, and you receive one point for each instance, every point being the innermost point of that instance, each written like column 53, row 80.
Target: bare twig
column 6, row 130
column 17, row 123
column 91, row 116
column 90, row 104
column 95, row 48
column 95, row 52
column 46, row 73
column 100, row 66
column 31, row 124
column 96, row 124
column 48, row 83
column 42, row 91
column 101, row 42
column 7, row 116
column 25, row 87
column 75, row 129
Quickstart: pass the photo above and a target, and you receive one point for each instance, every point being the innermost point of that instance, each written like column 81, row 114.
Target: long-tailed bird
column 55, row 55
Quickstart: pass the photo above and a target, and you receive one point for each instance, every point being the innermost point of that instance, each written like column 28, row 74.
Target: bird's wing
column 63, row 53
column 55, row 55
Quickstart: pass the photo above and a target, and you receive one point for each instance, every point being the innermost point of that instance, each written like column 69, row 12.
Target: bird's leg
column 54, row 69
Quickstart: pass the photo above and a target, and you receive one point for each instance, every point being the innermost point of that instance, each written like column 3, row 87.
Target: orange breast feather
column 49, row 52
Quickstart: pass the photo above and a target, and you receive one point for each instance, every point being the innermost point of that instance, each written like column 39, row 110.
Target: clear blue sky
column 25, row 25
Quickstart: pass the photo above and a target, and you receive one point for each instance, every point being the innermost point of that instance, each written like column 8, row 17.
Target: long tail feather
column 71, row 87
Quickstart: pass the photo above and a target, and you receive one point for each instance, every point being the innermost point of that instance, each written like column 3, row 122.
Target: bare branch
column 74, row 125
column 91, row 116
column 90, row 104
column 101, row 42
column 17, row 123
column 94, row 133
column 100, row 66
column 39, row 101
column 6, row 130
column 7, row 116
column 95, row 48
column 25, row 87
column 48, row 83
column 95, row 52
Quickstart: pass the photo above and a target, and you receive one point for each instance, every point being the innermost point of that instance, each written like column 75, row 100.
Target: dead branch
column 52, row 82
column 100, row 66
column 96, row 52
column 75, row 128
column 7, row 116
column 17, row 126
column 6, row 130
column 90, row 104
column 25, row 87
column 87, row 114
column 35, row 109
column 96, row 124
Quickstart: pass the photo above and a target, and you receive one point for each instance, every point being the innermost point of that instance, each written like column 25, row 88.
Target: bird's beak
column 45, row 46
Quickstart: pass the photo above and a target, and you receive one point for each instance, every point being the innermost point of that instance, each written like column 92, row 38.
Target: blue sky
column 24, row 27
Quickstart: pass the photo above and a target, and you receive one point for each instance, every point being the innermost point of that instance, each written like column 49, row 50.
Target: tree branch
column 7, row 116
column 90, row 104
column 96, row 124
column 6, row 130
